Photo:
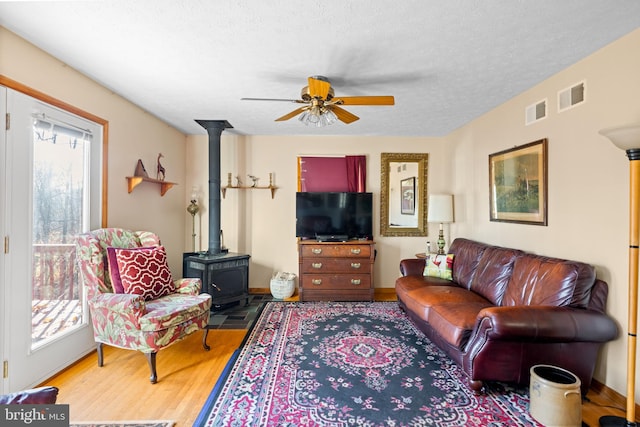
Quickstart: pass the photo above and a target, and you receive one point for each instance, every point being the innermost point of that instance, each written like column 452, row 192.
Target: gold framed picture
column 408, row 195
column 518, row 184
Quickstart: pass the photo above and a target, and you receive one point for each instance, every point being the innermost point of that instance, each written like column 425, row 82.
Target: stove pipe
column 214, row 129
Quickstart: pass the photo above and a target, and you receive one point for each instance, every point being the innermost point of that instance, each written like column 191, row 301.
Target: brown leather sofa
column 507, row 310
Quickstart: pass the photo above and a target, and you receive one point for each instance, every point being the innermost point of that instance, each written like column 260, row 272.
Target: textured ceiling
column 446, row 62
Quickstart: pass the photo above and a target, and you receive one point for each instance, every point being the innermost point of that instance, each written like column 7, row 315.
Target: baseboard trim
column 384, row 294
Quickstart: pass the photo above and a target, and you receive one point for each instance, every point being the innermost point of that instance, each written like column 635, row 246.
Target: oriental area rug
column 350, row 364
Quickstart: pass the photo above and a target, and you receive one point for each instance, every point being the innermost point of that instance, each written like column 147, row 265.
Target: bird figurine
column 160, row 169
column 254, row 179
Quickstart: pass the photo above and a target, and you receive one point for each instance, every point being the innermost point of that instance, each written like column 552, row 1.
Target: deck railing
column 54, row 272
column 56, row 294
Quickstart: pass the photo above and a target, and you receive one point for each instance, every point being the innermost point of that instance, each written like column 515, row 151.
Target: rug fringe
column 125, row 423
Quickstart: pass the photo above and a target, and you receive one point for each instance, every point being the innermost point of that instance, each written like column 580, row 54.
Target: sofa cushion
column 467, row 255
column 410, row 288
column 493, row 272
column 419, row 299
column 539, row 280
column 439, row 266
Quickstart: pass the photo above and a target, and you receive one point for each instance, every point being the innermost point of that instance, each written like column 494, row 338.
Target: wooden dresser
column 336, row 271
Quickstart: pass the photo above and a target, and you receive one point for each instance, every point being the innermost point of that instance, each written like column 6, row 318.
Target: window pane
column 59, row 183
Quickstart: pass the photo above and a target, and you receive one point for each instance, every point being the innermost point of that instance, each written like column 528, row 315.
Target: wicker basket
column 283, row 285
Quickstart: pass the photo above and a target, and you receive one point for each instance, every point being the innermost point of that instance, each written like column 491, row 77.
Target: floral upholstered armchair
column 133, row 300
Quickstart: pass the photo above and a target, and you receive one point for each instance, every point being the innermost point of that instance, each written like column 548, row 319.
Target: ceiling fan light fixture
column 303, row 117
column 329, row 116
column 311, row 117
column 322, row 108
column 318, row 116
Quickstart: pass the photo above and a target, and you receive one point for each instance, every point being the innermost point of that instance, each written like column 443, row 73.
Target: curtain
column 356, row 173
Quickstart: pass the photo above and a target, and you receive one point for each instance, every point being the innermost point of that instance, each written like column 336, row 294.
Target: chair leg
column 100, row 354
column 204, row 339
column 151, row 359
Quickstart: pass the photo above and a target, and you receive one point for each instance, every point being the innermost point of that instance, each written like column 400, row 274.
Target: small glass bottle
column 428, row 247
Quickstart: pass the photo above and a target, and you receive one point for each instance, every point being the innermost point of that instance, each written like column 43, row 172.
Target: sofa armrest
column 41, row 395
column 190, row 286
column 412, row 266
column 544, row 323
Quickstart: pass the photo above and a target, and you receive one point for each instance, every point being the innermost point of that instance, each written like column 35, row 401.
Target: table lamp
column 441, row 211
column 193, row 209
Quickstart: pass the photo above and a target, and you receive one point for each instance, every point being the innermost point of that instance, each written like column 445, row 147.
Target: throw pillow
column 144, row 271
column 439, row 266
column 112, row 266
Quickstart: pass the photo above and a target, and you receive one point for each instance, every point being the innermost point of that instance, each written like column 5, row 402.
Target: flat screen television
column 334, row 216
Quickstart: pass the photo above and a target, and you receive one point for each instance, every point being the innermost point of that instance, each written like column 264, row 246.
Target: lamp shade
column 624, row 137
column 440, row 208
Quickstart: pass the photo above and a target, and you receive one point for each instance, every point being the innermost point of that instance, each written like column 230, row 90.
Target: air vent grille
column 572, row 96
column 535, row 112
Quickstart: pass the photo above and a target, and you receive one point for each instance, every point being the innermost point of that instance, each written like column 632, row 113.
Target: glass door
column 51, row 166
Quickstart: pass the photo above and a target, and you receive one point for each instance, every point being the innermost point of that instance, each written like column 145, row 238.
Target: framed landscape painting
column 518, row 184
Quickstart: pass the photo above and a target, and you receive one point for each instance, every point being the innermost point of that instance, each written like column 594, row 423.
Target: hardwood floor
column 186, row 375
column 121, row 390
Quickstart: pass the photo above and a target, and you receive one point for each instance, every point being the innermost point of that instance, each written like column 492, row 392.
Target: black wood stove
column 224, row 275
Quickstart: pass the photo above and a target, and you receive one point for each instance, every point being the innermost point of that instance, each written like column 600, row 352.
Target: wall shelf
column 268, row 187
column 134, row 181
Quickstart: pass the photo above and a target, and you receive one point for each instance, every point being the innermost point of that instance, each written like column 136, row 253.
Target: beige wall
column 133, row 134
column 588, row 177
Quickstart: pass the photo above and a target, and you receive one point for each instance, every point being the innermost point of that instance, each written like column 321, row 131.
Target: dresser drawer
column 339, row 295
column 333, row 251
column 336, row 281
column 335, row 265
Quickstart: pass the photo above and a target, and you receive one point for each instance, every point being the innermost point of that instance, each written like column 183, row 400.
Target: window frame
column 19, row 87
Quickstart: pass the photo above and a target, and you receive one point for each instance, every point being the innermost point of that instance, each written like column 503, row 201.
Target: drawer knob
column 316, row 265
column 355, row 251
column 317, row 281
column 316, row 251
column 355, row 265
column 355, row 281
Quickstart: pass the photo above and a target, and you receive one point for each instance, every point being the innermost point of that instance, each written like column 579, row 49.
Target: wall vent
column 572, row 96
column 535, row 112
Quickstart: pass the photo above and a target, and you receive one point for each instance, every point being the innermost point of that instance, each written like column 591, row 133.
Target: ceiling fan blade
column 297, row 101
column 364, row 100
column 343, row 115
column 291, row 114
column 318, row 88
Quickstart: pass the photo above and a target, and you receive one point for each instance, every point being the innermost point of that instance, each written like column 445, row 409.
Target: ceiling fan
column 322, row 107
